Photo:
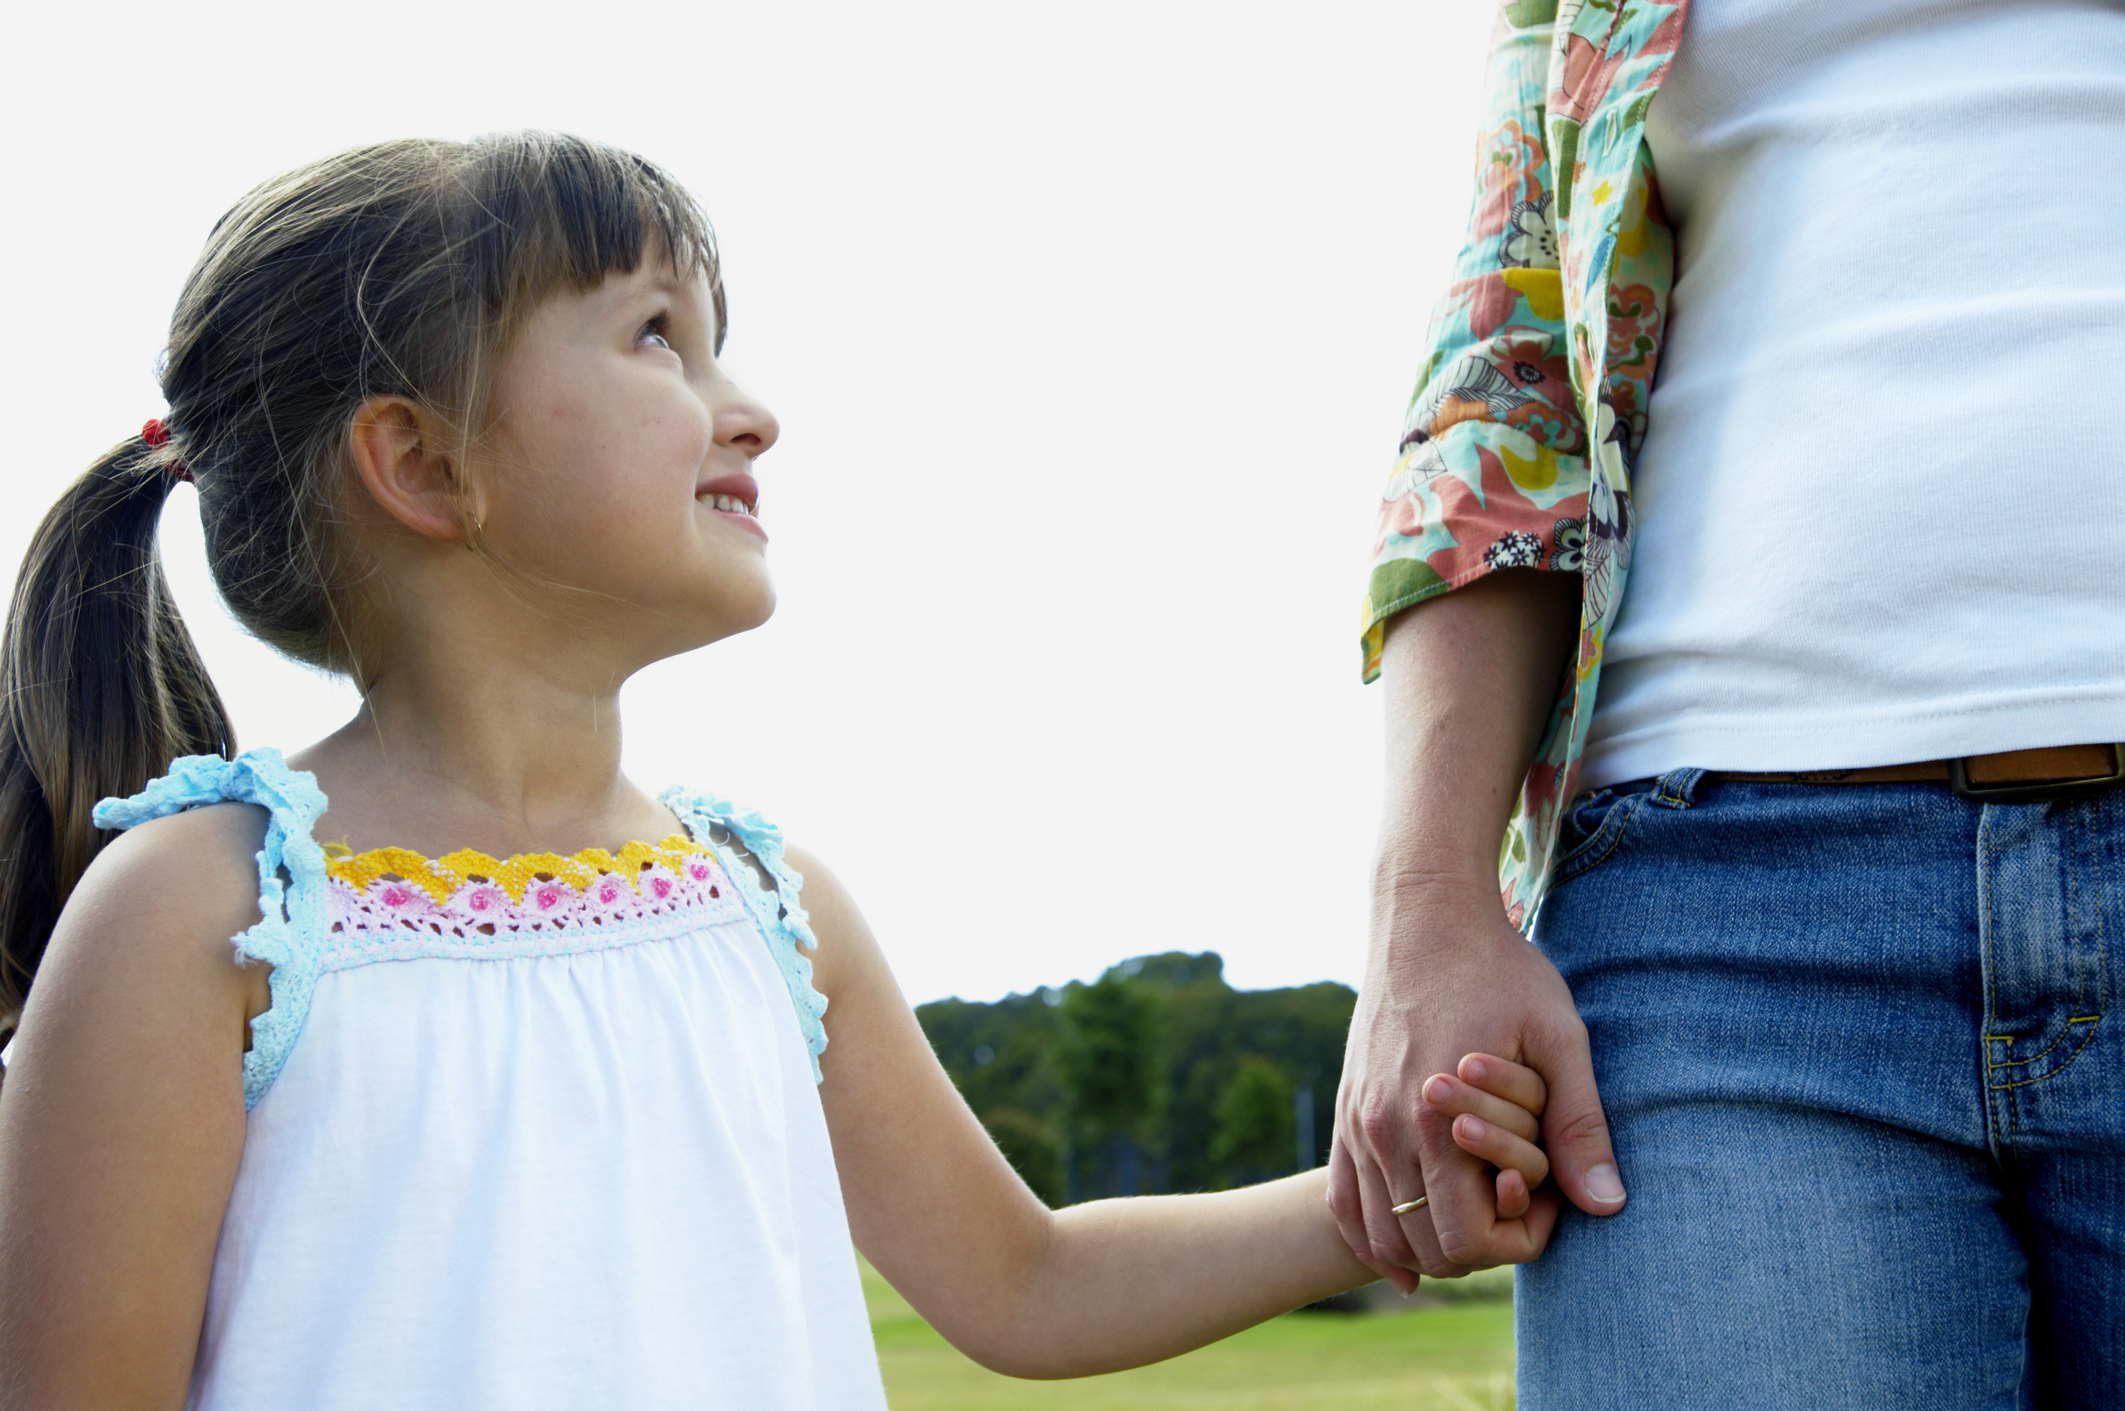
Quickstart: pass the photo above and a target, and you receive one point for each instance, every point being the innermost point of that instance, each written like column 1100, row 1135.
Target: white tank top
column 526, row 1134
column 1880, row 500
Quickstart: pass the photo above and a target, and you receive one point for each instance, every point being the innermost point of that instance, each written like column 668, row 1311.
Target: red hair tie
column 156, row 435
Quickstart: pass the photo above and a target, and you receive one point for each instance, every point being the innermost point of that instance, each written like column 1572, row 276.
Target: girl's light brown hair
column 398, row 269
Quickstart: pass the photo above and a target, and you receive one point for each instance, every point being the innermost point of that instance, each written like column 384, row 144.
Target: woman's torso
column 1877, row 500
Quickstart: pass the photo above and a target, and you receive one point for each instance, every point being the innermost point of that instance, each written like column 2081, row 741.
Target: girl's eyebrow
column 660, row 288
column 683, row 292
column 638, row 284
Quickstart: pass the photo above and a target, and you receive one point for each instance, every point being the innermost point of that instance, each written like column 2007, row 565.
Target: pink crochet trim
column 390, row 918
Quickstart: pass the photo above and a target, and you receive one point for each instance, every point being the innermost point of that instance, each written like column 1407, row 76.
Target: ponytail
column 100, row 688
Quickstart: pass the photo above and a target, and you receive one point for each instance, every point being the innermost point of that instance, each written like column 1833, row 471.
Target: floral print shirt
column 1528, row 415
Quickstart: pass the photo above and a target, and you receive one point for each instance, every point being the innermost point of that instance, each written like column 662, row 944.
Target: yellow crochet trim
column 441, row 877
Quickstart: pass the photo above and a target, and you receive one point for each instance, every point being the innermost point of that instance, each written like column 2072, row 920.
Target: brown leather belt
column 2012, row 776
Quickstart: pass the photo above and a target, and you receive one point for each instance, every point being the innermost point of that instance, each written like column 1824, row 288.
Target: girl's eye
column 652, row 334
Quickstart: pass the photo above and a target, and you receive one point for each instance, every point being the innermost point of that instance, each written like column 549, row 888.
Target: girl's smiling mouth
column 733, row 497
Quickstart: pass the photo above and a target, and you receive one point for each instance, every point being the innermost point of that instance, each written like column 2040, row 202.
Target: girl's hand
column 1496, row 1109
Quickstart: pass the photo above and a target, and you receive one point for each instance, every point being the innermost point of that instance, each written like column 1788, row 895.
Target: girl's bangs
column 550, row 212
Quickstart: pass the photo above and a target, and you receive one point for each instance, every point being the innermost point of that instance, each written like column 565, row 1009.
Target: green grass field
column 1456, row 1355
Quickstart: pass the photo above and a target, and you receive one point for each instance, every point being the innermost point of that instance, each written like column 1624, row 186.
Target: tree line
column 1157, row 1077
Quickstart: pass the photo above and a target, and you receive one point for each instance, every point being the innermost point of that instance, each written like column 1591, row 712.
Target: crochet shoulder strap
column 292, row 903
column 779, row 914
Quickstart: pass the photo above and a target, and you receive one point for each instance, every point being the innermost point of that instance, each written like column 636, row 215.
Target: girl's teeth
column 733, row 504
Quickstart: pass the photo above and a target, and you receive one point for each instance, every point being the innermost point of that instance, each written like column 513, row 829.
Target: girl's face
column 622, row 465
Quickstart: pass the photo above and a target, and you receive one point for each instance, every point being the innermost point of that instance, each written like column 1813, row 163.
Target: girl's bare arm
column 1021, row 1289
column 122, row 1118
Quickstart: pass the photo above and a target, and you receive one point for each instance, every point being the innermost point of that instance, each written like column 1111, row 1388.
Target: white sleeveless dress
column 525, row 1134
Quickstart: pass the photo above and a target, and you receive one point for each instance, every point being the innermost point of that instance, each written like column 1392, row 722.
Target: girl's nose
column 745, row 424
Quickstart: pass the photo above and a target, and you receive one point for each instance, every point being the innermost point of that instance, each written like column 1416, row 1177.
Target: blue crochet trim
column 780, row 915
column 292, row 918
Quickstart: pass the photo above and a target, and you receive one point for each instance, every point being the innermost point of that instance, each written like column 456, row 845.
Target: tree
column 1179, row 1056
column 1254, row 1124
column 1106, row 1062
column 1033, row 1150
column 1000, row 1054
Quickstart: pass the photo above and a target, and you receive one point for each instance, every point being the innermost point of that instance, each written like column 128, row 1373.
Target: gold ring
column 1408, row 1205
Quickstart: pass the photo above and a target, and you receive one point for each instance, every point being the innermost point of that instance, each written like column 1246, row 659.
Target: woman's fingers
column 1515, row 1082
column 1348, row 1207
column 1453, row 1097
column 1348, row 1200
column 1391, row 1235
column 1502, row 1149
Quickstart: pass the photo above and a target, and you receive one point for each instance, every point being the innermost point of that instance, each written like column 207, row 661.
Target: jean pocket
column 1592, row 831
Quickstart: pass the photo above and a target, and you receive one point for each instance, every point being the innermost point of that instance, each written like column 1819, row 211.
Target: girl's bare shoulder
column 201, row 858
column 173, row 890
column 847, row 957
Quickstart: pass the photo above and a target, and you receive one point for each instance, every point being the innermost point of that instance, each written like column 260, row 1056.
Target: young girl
column 477, row 1112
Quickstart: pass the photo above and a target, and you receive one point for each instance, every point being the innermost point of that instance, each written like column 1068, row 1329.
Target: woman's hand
column 1483, row 990
column 1470, row 678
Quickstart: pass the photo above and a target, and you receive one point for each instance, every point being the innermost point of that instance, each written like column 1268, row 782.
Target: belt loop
column 1677, row 788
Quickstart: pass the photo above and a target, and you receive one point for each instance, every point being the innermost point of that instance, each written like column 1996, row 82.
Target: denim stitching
column 1999, row 1098
column 2082, row 813
column 2023, row 1062
column 2031, row 1082
column 2102, row 948
column 2074, row 913
column 2076, row 813
column 1619, row 818
column 1567, row 857
column 1688, row 779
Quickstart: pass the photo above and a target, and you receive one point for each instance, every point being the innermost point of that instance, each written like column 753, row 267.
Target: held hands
column 1467, row 1140
column 1495, row 1108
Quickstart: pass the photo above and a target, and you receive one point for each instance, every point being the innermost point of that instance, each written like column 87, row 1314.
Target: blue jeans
column 1852, row 1042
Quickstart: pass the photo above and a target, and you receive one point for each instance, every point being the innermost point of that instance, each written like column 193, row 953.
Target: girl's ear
column 398, row 455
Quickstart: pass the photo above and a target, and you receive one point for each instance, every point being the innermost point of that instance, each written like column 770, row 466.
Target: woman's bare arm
column 1470, row 679
column 122, row 1118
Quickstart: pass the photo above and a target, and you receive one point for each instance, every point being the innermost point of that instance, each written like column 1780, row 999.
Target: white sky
column 1089, row 327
